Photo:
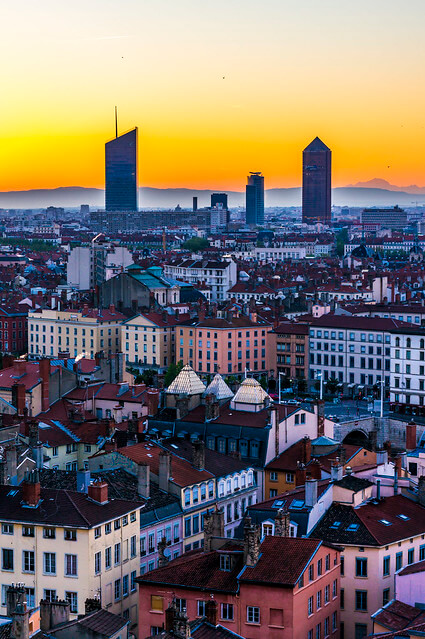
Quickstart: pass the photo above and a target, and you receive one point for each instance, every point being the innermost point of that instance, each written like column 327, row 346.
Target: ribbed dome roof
column 250, row 392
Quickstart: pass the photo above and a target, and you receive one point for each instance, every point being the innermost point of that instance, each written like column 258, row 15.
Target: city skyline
column 197, row 100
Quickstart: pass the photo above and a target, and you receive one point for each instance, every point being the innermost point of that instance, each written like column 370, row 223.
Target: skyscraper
column 121, row 172
column 219, row 200
column 255, row 199
column 317, row 183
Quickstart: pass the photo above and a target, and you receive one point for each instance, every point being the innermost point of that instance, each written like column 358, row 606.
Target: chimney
column 33, row 434
column 398, row 464
column 152, row 398
column 315, row 469
column 98, row 492
column 21, row 618
column 19, row 367
column 182, row 406
column 212, row 407
column 13, row 594
column 164, row 469
column 53, row 613
column 213, row 527
column 281, row 523
column 143, row 481
column 31, row 489
column 91, row 605
column 38, row 455
column 211, row 611
column 378, row 489
column 381, row 457
column 421, row 490
column 337, row 471
column 170, row 614
column 306, row 448
column 300, row 474
column 112, row 308
column 3, row 471
column 251, row 543
column 198, row 454
column 83, row 480
column 18, row 398
column 411, row 436
column 44, row 368
column 162, row 558
column 310, row 493
column 395, row 480
column 117, row 410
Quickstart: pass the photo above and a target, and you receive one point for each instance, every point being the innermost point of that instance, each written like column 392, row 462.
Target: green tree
column 172, row 371
column 263, row 382
column 341, row 240
column 332, row 385
column 196, row 244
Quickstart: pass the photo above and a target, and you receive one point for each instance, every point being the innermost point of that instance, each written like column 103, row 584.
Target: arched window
column 195, row 494
column 221, row 489
column 187, row 497
column 236, row 482
column 210, row 489
column 203, row 492
column 397, row 341
column 250, row 478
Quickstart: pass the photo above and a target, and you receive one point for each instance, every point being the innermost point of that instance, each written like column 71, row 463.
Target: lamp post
column 320, row 377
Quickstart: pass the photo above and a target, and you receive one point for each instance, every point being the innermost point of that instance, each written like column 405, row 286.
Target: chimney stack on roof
column 98, row 491
column 310, row 493
column 198, row 454
column 143, row 481
column 337, row 471
column 164, row 469
column 251, row 540
column 31, row 490
column 281, row 523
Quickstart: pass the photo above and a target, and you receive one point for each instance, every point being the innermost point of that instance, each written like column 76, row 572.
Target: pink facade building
column 280, row 588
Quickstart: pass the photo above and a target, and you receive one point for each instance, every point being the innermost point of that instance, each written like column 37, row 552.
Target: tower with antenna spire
column 121, row 171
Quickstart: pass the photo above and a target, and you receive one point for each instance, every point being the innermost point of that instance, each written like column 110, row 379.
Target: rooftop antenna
column 116, row 123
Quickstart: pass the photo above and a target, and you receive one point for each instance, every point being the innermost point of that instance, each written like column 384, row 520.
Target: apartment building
column 91, row 330
column 379, row 537
column 228, row 345
column 90, row 265
column 407, row 378
column 218, row 275
column 13, row 330
column 70, row 545
column 288, row 350
column 356, row 351
column 149, row 340
column 279, row 587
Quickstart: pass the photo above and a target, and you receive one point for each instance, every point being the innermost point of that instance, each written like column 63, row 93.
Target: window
column 311, row 572
column 7, row 529
column 72, row 598
column 334, row 621
column 225, row 563
column 108, row 558
column 117, row 554
column 133, row 580
column 411, row 556
column 398, row 560
column 133, row 546
column 97, row 562
column 70, row 565
column 334, row 588
column 181, row 604
column 27, row 531
column 385, row 596
column 253, row 614
column 133, row 517
column 327, row 594
column 361, row 599
column 201, row 608
column 361, row 567
column 125, row 586
column 49, row 533
column 117, row 524
column 310, row 606
column 227, row 612
column 319, row 631
column 49, row 595
column 49, row 563
column 328, row 562
column 319, row 567
column 273, row 475
column 326, row 627
column 117, row 589
column 28, row 561
column 318, row 599
column 386, row 566
column 97, row 532
column 70, row 535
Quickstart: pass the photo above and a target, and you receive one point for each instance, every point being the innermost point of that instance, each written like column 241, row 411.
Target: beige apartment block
column 70, row 545
column 89, row 330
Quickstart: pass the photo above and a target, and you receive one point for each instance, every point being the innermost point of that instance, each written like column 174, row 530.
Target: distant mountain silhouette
column 379, row 183
column 73, row 196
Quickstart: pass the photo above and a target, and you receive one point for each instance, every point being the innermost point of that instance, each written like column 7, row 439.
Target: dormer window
column 225, row 563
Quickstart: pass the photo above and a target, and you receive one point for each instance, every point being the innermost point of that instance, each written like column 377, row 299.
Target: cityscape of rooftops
column 212, row 320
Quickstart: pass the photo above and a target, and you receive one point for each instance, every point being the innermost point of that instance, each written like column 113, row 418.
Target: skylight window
column 385, row 522
column 336, row 524
column 353, row 527
column 279, row 503
column 403, row 517
column 297, row 503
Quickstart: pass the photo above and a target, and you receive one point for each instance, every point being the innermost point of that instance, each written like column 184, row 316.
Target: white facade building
column 219, row 276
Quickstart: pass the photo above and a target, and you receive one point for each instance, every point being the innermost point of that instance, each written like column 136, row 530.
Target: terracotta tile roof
column 419, row 566
column 216, row 463
column 237, row 417
column 379, row 523
column 397, row 615
column 204, row 630
column 270, row 568
column 31, row 376
column 196, row 569
column 331, row 320
column 61, row 508
column 182, row 471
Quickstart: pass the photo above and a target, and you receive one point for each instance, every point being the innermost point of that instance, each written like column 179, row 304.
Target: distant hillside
column 379, row 183
column 73, row 196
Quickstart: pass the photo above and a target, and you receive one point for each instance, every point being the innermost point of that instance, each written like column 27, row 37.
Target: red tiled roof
column 238, row 417
column 419, row 566
column 331, row 320
column 389, row 509
column 282, row 560
column 398, row 615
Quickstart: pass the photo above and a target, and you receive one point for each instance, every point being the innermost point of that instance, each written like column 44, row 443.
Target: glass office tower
column 121, row 172
column 254, row 193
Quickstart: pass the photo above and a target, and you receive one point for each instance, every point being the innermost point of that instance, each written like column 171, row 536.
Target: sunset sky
column 217, row 88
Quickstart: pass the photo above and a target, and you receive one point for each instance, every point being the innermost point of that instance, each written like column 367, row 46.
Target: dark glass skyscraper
column 255, row 199
column 317, row 183
column 121, row 172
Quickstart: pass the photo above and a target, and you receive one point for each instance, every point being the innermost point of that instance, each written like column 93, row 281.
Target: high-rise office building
column 219, row 200
column 255, row 199
column 121, row 172
column 317, row 183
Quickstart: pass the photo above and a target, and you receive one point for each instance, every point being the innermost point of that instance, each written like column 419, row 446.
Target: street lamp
column 280, row 388
column 382, row 382
column 320, row 377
